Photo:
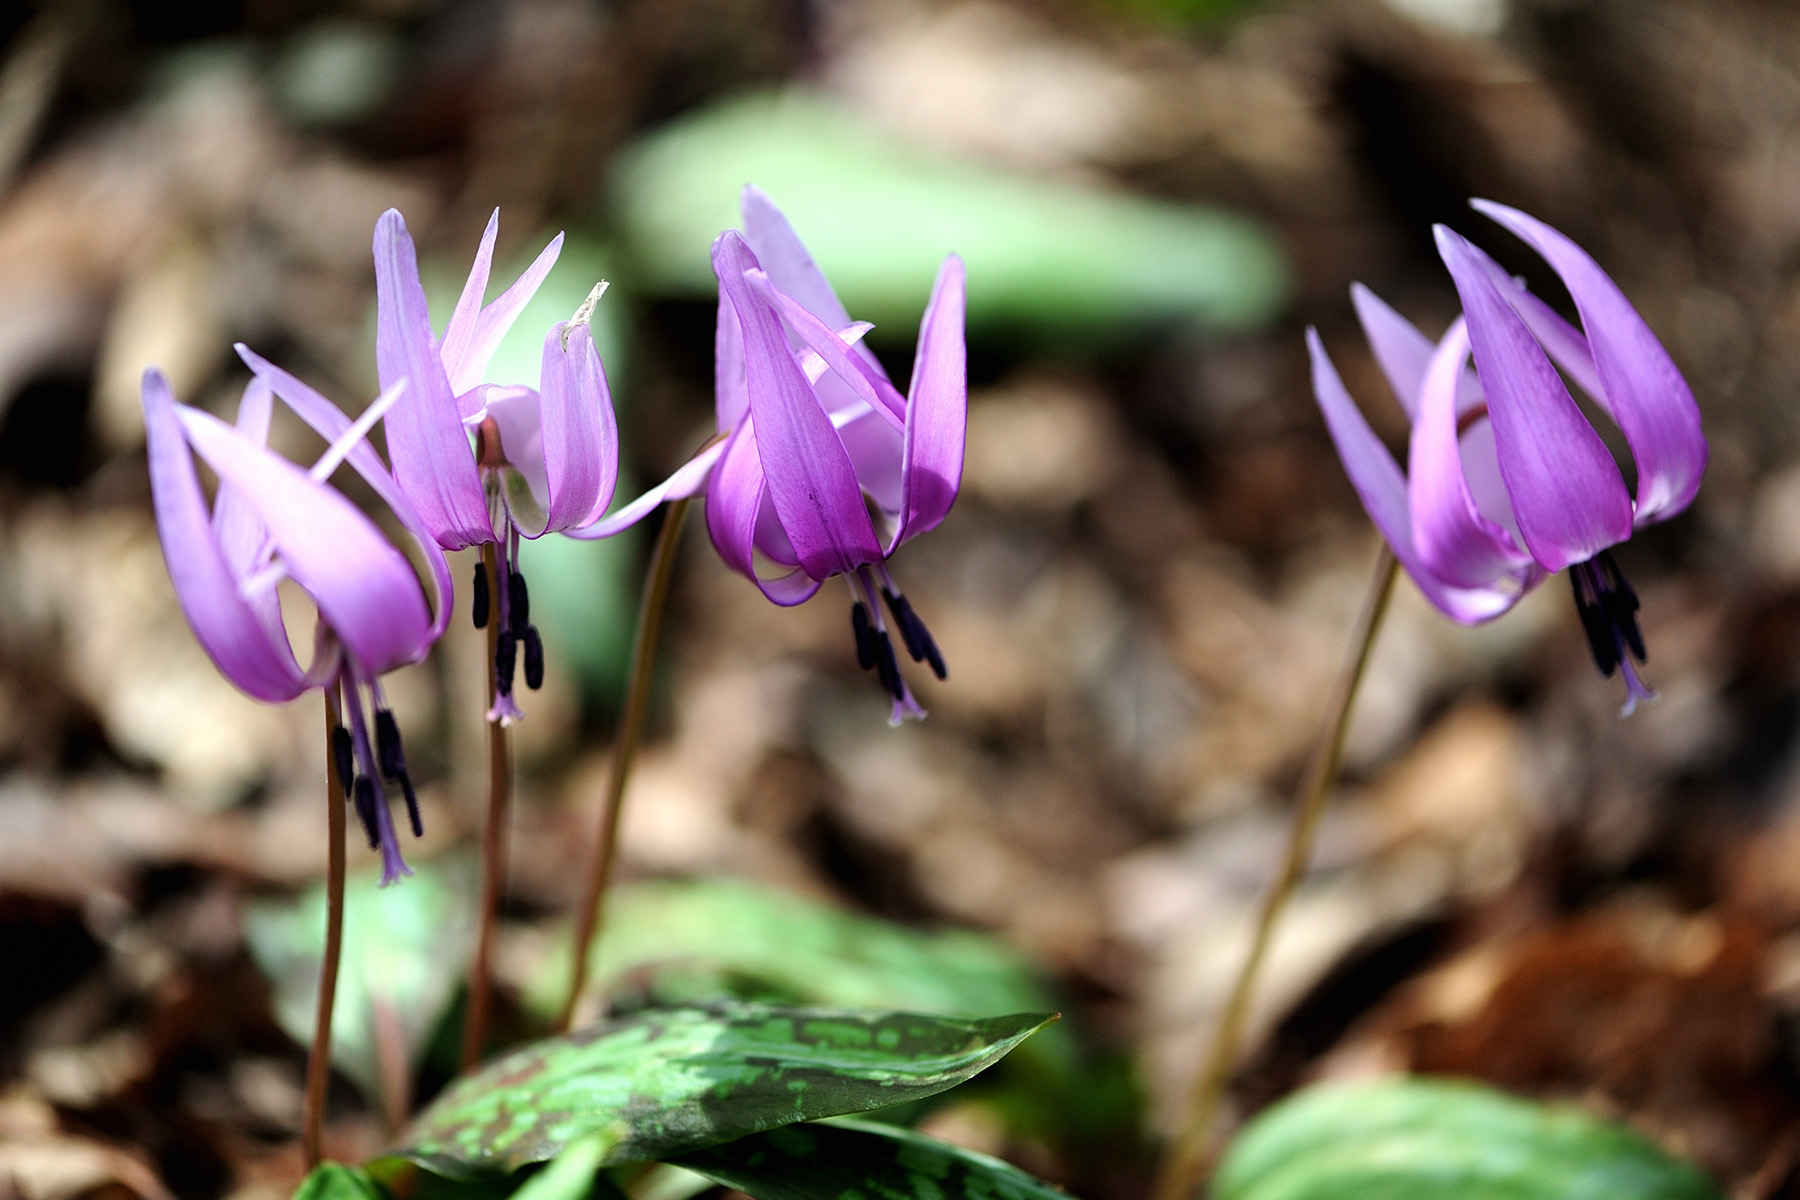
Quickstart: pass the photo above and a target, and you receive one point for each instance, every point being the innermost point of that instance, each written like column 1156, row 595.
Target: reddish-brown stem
column 592, row 911
column 493, row 842
column 318, row 1061
column 1191, row 1152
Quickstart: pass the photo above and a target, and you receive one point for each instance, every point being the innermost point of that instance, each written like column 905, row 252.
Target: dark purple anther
column 389, row 755
column 365, row 809
column 865, row 635
column 918, row 639
column 478, row 608
column 518, row 613
column 887, row 666
column 343, row 757
column 506, row 661
column 534, row 658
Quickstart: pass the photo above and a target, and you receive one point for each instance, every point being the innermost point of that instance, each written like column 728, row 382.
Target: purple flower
column 488, row 462
column 270, row 520
column 823, row 468
column 1507, row 481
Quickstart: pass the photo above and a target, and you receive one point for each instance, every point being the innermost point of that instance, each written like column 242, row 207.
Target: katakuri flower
column 1507, row 481
column 822, row 467
column 271, row 520
column 484, row 462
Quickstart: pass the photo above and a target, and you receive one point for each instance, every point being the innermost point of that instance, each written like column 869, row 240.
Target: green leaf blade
column 667, row 1081
column 338, row 1181
column 847, row 1158
column 1415, row 1139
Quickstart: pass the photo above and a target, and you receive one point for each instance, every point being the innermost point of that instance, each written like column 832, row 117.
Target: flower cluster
column 1507, row 481
column 822, row 467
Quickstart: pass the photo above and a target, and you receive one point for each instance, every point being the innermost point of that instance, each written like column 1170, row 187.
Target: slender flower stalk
column 272, row 521
column 590, row 916
column 318, row 1058
column 493, row 853
column 1192, row 1149
column 823, row 468
column 1508, row 483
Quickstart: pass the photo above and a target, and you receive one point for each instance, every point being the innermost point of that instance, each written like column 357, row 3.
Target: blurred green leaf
column 583, row 594
column 1044, row 257
column 338, row 1181
column 1421, row 1139
column 681, row 941
column 839, row 1159
column 673, row 1080
column 570, row 1175
column 403, row 956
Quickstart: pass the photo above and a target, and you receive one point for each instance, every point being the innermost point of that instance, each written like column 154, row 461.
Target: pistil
column 1608, row 607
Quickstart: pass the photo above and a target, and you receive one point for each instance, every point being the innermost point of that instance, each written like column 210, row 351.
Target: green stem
column 318, row 1060
column 1190, row 1154
column 592, row 912
column 493, row 843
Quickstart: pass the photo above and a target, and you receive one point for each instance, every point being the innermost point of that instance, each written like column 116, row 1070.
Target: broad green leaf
column 686, row 941
column 338, row 1181
column 667, row 1081
column 570, row 1175
column 1421, row 1139
column 583, row 594
column 1051, row 258
column 403, row 956
column 860, row 1160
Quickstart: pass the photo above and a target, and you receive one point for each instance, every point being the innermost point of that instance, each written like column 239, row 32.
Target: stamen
column 365, row 809
column 506, row 661
column 918, row 639
column 887, row 666
column 343, row 757
column 865, row 635
column 389, row 755
column 519, row 615
column 478, row 608
column 1608, row 609
column 534, row 658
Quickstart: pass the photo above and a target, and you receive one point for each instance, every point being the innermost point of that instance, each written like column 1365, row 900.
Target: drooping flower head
column 491, row 463
column 1507, row 481
column 271, row 520
column 823, row 468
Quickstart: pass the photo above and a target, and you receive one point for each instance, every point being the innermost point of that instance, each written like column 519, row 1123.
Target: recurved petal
column 785, row 257
column 227, row 627
column 1566, row 490
column 1403, row 353
column 731, row 395
column 688, row 479
column 736, row 494
column 1382, row 488
column 1455, row 542
column 364, row 588
column 497, row 318
column 937, row 409
column 810, row 478
column 581, row 436
column 433, row 462
column 454, row 348
column 1644, row 392
column 330, row 423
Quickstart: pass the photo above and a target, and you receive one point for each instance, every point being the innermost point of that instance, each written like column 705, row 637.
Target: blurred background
column 1143, row 592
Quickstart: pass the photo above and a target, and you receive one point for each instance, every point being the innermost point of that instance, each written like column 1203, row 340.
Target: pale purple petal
column 1382, row 488
column 814, row 487
column 731, row 394
column 735, row 494
column 227, row 627
column 688, row 479
column 1455, row 542
column 1644, row 391
column 581, row 436
column 1403, row 353
column 496, row 320
column 862, row 382
column 433, row 461
column 243, row 539
column 517, row 412
column 330, row 423
column 453, row 349
column 785, row 257
column 364, row 588
column 937, row 409
column 1566, row 490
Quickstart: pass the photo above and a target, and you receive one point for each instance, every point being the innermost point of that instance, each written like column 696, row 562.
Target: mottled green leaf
column 686, row 941
column 1423, row 1139
column 404, row 952
column 667, row 1081
column 338, row 1181
column 860, row 1160
column 1055, row 258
